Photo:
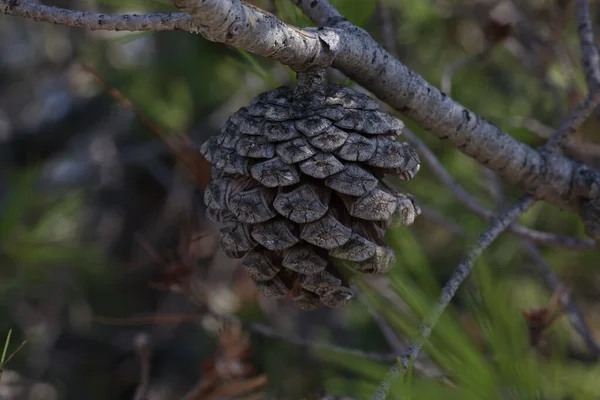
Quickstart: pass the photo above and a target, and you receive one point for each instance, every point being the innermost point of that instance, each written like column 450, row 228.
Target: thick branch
column 96, row 21
column 260, row 32
column 544, row 175
column 460, row 275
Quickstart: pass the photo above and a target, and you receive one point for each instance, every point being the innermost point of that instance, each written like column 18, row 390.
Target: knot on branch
column 325, row 54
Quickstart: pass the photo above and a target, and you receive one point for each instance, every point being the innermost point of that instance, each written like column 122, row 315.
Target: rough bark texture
column 543, row 174
column 98, row 21
column 546, row 176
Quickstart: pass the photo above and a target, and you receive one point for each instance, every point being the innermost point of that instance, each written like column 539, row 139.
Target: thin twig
column 23, row 343
column 494, row 185
column 388, row 30
column 460, row 274
column 181, row 146
column 474, row 205
column 97, row 21
column 386, row 329
column 551, row 280
column 450, row 70
column 575, row 314
column 256, row 327
column 276, row 334
column 589, row 52
column 435, row 217
column 579, row 115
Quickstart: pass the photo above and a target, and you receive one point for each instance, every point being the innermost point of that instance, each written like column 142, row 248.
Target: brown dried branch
column 23, row 343
column 187, row 154
column 228, row 373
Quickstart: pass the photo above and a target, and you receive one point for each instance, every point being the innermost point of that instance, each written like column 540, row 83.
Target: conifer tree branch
column 589, row 51
column 541, row 237
column 544, row 175
column 98, row 21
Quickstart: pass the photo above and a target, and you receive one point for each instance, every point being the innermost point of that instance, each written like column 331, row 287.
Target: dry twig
column 474, row 205
column 589, row 52
column 460, row 274
column 575, row 314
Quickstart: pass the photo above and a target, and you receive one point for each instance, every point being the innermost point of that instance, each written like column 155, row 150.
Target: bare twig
column 494, row 185
column 574, row 146
column 388, row 30
column 451, row 69
column 23, row 343
column 180, row 145
column 386, row 329
column 575, row 315
column 276, row 334
column 589, row 52
column 460, row 274
column 474, row 205
column 256, row 327
column 442, row 221
column 96, row 21
column 563, row 134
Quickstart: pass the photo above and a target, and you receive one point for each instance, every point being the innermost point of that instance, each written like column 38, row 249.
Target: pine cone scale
column 297, row 185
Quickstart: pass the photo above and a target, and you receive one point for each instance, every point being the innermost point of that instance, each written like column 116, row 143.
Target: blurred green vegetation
column 187, row 80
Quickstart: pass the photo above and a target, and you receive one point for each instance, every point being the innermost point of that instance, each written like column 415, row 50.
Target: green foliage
column 489, row 358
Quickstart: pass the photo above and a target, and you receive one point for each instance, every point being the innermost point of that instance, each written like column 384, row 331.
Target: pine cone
column 297, row 184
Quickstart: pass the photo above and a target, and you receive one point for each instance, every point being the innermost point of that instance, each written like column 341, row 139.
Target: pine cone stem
column 310, row 87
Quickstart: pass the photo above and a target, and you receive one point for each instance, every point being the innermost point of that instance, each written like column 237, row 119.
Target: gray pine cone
column 297, row 184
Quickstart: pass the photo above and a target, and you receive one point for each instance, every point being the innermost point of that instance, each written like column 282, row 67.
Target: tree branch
column 96, row 21
column 546, row 176
column 470, row 202
column 260, row 32
column 575, row 314
column 589, row 52
column 460, row 275
column 543, row 175
column 583, row 110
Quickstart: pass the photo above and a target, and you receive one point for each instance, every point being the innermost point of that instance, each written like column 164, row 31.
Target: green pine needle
column 3, row 358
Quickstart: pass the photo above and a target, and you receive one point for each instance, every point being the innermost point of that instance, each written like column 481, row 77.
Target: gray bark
column 546, row 175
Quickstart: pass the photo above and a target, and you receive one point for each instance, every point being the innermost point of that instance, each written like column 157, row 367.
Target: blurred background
column 112, row 274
